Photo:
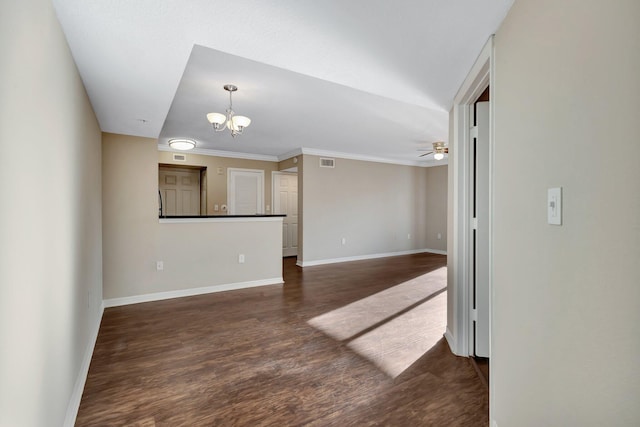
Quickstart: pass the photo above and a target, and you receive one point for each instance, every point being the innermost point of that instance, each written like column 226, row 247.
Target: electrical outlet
column 344, row 240
column 408, row 236
column 159, row 265
column 439, row 236
column 241, row 259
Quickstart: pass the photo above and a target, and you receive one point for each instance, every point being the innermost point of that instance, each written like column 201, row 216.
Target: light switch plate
column 554, row 206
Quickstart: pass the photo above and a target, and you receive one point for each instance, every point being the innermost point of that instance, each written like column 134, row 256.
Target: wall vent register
column 179, row 157
column 327, row 163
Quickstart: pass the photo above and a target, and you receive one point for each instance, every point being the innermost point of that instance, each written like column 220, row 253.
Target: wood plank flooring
column 249, row 358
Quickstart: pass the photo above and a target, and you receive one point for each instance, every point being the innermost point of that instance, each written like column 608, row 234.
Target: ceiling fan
column 439, row 150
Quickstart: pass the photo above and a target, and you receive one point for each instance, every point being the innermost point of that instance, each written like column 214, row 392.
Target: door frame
column 459, row 334
column 231, row 190
column 273, row 198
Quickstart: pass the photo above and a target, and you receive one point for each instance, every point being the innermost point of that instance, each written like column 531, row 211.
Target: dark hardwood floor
column 249, row 358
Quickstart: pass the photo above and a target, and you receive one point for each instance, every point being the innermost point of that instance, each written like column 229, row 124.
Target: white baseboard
column 158, row 296
column 450, row 340
column 78, row 388
column 365, row 257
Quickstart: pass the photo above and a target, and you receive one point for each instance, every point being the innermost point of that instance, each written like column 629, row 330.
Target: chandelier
column 235, row 124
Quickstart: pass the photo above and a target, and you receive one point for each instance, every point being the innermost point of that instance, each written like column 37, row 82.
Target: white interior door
column 245, row 191
column 480, row 227
column 285, row 201
column 180, row 190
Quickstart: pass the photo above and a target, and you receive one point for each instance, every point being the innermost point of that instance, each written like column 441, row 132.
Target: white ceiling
column 369, row 78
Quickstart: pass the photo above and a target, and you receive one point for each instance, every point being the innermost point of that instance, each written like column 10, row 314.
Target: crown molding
column 290, row 154
column 365, row 158
column 309, row 151
column 220, row 153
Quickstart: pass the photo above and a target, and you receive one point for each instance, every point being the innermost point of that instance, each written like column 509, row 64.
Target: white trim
column 220, row 153
column 449, row 337
column 81, row 379
column 159, row 296
column 426, row 163
column 365, row 257
column 492, row 142
column 478, row 78
column 365, row 158
column 476, row 82
column 219, row 219
column 290, row 154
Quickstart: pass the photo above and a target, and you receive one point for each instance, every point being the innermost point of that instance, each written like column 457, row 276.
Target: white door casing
column 245, row 191
column 459, row 333
column 285, row 201
column 480, row 214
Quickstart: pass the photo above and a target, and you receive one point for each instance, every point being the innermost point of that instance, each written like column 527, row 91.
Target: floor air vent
column 327, row 163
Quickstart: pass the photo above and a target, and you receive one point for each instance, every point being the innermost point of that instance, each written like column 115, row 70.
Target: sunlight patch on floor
column 397, row 344
column 394, row 327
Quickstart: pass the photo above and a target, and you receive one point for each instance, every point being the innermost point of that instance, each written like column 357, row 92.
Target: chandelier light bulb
column 216, row 118
column 438, row 156
column 241, row 121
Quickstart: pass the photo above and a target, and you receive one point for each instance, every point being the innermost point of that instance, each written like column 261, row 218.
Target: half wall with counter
column 197, row 255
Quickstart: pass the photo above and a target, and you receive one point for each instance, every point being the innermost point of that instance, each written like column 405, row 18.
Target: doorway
column 467, row 325
column 245, row 191
column 470, row 263
column 285, row 201
column 479, row 204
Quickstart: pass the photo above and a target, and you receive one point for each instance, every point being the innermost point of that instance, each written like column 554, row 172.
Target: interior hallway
column 251, row 357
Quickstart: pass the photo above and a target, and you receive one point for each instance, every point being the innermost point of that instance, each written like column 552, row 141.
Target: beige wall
column 436, row 207
column 373, row 205
column 217, row 182
column 194, row 255
column 50, row 249
column 566, row 314
column 289, row 163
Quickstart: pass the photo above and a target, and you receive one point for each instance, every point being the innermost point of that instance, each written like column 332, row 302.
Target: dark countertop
column 220, row 216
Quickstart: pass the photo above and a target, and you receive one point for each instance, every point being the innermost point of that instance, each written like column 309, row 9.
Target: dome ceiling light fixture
column 182, row 144
column 235, row 124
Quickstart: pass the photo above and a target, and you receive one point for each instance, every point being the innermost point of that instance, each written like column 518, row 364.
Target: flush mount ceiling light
column 182, row 144
column 235, row 124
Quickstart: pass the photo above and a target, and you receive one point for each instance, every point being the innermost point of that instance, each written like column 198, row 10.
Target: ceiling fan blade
column 446, row 150
column 425, row 154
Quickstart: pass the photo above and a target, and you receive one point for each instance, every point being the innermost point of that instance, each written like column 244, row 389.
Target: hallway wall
column 565, row 340
column 50, row 221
